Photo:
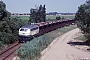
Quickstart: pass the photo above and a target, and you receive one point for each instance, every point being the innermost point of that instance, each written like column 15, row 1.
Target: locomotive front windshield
column 23, row 29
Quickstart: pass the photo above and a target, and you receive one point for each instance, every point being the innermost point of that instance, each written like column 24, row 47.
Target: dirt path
column 60, row 50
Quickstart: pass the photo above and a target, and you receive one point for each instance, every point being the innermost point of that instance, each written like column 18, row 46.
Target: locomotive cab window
column 21, row 29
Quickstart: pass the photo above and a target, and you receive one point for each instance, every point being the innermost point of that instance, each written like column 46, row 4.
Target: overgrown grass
column 81, row 37
column 32, row 50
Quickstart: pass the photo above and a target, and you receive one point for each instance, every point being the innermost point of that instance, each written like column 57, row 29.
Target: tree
column 38, row 14
column 58, row 18
column 82, row 18
column 4, row 14
column 44, row 13
column 33, row 15
column 8, row 26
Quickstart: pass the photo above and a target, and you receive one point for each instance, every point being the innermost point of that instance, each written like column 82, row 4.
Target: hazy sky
column 24, row 6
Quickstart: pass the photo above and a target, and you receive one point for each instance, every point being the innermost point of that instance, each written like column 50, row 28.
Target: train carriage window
column 34, row 28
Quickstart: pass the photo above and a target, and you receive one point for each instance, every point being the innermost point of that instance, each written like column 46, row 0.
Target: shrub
column 58, row 18
column 6, row 38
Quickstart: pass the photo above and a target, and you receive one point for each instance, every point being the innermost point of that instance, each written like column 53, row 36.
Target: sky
column 61, row 6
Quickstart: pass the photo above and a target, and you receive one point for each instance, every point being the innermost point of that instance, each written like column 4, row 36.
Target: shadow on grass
column 86, row 43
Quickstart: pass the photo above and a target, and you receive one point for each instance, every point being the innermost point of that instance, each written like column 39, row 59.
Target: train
column 28, row 32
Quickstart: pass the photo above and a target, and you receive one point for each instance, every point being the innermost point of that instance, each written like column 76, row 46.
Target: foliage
column 38, row 14
column 58, row 18
column 8, row 26
column 9, row 30
column 4, row 27
column 6, row 38
column 83, row 19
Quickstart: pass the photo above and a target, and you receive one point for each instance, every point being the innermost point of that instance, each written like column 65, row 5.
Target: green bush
column 6, row 38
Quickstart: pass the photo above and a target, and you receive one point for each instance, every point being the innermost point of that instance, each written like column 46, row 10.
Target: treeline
column 83, row 19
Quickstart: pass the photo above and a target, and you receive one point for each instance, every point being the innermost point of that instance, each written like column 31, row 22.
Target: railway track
column 8, row 51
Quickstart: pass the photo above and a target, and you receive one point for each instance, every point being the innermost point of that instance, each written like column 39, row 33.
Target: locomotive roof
column 29, row 26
